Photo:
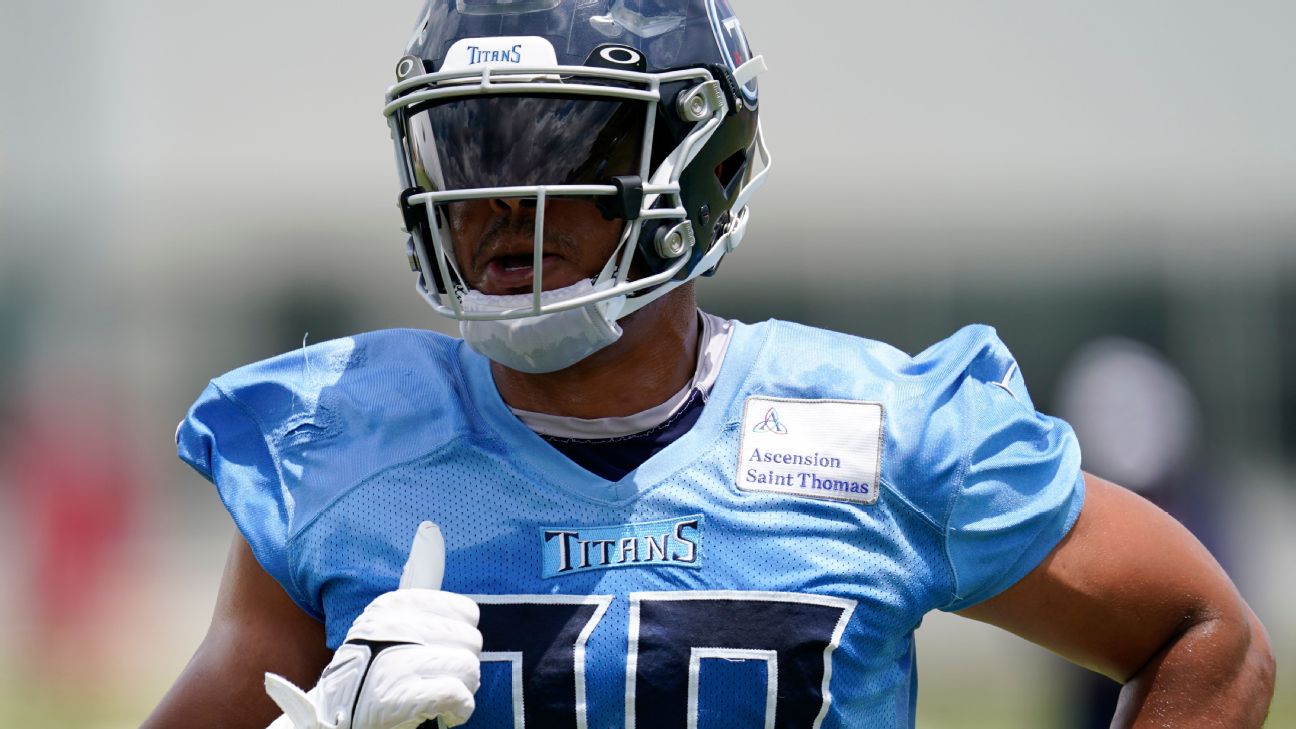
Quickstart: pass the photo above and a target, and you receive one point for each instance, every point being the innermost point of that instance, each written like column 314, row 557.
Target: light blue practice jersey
column 767, row 569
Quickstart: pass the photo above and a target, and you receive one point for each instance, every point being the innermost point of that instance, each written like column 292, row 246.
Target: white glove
column 413, row 655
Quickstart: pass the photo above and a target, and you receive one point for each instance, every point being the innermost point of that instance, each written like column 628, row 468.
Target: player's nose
column 513, row 205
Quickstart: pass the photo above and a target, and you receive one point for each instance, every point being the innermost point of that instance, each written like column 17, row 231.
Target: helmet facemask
column 570, row 135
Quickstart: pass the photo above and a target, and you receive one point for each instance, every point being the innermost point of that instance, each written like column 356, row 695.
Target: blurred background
column 188, row 187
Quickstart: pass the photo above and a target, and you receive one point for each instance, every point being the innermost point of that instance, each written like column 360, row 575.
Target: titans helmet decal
column 733, row 42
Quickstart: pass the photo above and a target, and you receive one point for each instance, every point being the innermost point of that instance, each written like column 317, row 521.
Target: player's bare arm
column 1131, row 594
column 256, row 628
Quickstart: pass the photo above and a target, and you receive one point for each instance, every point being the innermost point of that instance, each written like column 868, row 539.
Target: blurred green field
column 940, row 706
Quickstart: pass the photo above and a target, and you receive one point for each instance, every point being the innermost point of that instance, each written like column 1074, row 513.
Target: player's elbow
column 1217, row 671
column 1253, row 662
column 1248, row 680
column 1242, row 651
column 1260, row 660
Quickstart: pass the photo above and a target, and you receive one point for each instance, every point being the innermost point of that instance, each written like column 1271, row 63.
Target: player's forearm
column 1217, row 673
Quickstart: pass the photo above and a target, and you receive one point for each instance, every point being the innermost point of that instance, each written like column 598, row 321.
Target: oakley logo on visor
column 621, row 55
column 617, row 56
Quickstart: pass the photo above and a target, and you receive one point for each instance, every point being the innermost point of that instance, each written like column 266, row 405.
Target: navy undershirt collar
column 613, row 458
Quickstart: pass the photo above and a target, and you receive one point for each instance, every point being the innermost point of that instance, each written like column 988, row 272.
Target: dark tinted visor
column 508, row 141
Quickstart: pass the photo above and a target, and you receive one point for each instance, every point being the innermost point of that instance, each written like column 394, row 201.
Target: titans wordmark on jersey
column 767, row 569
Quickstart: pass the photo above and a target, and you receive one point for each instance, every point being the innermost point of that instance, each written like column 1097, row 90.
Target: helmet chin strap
column 547, row 342
column 608, row 277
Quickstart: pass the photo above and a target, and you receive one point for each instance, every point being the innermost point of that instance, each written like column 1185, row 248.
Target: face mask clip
column 411, row 217
column 627, row 203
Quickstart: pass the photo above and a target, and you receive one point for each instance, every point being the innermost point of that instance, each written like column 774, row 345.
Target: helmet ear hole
column 731, row 170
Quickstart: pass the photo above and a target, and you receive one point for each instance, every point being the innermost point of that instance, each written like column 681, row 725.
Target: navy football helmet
column 646, row 108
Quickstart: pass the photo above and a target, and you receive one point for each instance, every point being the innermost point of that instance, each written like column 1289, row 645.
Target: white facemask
column 545, row 343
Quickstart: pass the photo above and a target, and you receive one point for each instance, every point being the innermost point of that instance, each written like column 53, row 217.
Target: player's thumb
column 298, row 708
column 426, row 564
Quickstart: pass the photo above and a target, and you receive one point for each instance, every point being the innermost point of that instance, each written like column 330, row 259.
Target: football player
column 654, row 516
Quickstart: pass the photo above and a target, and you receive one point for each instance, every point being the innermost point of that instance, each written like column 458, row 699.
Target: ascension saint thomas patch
column 823, row 449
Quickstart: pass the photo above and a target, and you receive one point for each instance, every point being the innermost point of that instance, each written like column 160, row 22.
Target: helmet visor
column 512, row 141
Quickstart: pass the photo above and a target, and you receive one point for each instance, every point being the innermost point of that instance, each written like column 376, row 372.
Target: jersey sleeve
column 1019, row 489
column 223, row 441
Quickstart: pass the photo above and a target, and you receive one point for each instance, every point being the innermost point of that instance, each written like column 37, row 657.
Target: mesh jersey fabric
column 328, row 458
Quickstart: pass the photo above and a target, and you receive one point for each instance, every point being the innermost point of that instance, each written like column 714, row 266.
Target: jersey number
column 542, row 639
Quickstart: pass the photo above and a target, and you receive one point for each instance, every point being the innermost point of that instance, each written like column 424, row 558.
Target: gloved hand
column 413, row 655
